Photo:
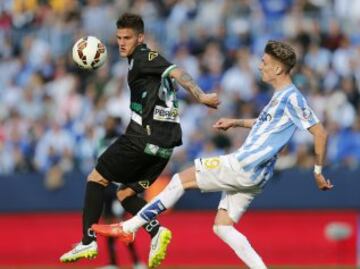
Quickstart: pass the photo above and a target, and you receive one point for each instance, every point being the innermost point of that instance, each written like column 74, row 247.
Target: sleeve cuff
column 167, row 70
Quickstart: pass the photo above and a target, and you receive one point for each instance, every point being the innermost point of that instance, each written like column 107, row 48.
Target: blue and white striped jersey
column 277, row 122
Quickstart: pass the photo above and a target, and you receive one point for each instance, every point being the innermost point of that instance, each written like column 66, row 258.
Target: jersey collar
column 139, row 47
column 285, row 89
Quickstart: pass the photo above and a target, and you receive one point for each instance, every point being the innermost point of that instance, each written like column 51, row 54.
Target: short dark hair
column 282, row 52
column 133, row 21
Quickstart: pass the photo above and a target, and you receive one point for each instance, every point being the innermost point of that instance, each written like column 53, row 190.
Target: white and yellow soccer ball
column 89, row 53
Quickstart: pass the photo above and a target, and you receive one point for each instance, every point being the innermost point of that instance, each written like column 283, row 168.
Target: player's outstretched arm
column 320, row 142
column 226, row 123
column 188, row 83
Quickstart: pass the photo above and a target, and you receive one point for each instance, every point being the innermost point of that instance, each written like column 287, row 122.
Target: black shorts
column 125, row 161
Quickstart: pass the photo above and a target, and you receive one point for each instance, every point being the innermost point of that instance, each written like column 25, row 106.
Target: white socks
column 240, row 245
column 133, row 224
column 164, row 200
column 172, row 192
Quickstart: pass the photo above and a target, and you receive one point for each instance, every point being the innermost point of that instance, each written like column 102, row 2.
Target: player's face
column 128, row 40
column 269, row 68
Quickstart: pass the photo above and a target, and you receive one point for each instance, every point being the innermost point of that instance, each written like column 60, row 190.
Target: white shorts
column 218, row 174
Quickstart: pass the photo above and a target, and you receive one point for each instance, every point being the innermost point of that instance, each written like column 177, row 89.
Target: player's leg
column 132, row 203
column 231, row 207
column 164, row 200
column 201, row 176
column 93, row 205
column 160, row 236
column 152, row 167
column 109, row 216
column 136, row 261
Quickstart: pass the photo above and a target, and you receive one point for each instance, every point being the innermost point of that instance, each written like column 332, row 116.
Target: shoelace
column 153, row 245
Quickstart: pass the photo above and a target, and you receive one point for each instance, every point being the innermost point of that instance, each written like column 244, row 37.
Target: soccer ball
column 89, row 53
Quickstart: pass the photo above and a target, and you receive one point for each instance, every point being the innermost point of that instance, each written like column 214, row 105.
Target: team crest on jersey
column 264, row 116
column 152, row 55
column 306, row 113
column 144, row 183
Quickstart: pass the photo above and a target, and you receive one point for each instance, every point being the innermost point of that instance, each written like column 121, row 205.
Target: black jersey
column 154, row 108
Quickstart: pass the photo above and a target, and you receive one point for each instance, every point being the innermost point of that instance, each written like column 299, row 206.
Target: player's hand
column 209, row 99
column 322, row 183
column 224, row 124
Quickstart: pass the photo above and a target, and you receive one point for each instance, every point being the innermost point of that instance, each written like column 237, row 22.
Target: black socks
column 133, row 204
column 93, row 206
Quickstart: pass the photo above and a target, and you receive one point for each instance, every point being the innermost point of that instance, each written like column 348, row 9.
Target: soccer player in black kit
column 112, row 210
column 139, row 156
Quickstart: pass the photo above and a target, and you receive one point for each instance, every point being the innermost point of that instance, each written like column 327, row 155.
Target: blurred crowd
column 53, row 115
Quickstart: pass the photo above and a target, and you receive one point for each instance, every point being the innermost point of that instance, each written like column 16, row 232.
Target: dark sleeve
column 154, row 64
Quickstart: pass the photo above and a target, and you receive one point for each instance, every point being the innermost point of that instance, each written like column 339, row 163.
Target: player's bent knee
column 95, row 176
column 221, row 230
column 122, row 194
column 216, row 229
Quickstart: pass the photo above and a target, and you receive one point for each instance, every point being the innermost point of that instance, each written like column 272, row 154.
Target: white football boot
column 158, row 247
column 80, row 251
